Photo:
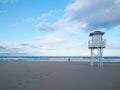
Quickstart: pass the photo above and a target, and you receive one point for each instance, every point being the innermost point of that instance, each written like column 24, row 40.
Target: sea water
column 58, row 58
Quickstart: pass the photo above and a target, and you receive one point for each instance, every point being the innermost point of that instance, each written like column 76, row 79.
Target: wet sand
column 42, row 75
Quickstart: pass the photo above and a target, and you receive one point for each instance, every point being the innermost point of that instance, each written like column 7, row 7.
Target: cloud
column 28, row 20
column 8, row 1
column 52, row 39
column 45, row 16
column 52, row 26
column 2, row 47
column 29, row 45
column 48, row 26
column 95, row 14
column 42, row 17
column 89, row 14
column 34, row 48
column 13, row 24
column 24, row 44
column 8, row 50
column 43, row 47
column 83, row 44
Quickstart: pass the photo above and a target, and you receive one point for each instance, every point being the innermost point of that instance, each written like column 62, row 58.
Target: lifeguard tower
column 96, row 45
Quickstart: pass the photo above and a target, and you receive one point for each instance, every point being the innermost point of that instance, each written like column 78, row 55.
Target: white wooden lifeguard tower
column 96, row 45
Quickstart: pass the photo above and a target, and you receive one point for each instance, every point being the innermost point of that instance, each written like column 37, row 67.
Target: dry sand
column 39, row 75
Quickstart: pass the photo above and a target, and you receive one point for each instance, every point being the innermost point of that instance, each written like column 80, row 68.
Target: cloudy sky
column 57, row 27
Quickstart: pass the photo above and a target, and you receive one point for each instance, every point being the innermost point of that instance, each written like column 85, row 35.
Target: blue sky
column 57, row 27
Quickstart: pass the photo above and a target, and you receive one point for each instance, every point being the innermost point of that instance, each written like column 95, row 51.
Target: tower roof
column 96, row 33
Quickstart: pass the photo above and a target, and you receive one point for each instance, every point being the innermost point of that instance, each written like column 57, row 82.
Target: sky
column 57, row 27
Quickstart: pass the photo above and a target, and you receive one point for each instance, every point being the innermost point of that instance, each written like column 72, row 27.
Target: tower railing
column 101, row 44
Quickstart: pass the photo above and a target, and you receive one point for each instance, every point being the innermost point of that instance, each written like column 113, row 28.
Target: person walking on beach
column 68, row 59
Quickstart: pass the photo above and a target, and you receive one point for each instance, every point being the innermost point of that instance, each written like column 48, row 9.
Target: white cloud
column 23, row 48
column 83, row 26
column 52, row 39
column 77, row 5
column 28, row 20
column 95, row 13
column 13, row 24
column 54, row 26
column 10, row 49
column 90, row 14
column 46, row 26
column 117, row 2
column 45, row 16
column 34, row 48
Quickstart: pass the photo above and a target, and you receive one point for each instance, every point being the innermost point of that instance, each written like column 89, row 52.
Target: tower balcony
column 97, row 44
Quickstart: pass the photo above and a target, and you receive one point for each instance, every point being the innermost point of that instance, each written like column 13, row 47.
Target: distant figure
column 68, row 59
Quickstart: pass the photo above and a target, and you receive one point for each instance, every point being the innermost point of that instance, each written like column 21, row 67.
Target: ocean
column 57, row 58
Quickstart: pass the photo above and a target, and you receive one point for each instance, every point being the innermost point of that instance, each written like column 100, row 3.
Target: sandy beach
column 42, row 75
